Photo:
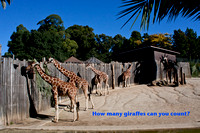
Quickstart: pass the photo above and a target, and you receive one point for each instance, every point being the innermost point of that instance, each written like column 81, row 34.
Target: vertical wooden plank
column 181, row 75
column 132, row 73
column 25, row 98
column 113, row 76
column 15, row 85
column 1, row 91
column 184, row 78
column 4, row 102
column 109, row 72
column 7, row 82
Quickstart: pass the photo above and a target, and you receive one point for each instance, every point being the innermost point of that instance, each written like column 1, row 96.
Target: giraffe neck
column 44, row 76
column 61, row 69
column 129, row 69
column 95, row 71
column 66, row 72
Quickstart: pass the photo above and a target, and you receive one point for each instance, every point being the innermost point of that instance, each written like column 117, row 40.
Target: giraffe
column 81, row 83
column 102, row 77
column 59, row 88
column 126, row 76
column 170, row 66
column 94, row 82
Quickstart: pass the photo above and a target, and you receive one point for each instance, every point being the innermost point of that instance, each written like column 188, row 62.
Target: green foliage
column 159, row 40
column 51, row 22
column 51, row 39
column 7, row 54
column 159, row 9
column 120, row 44
column 3, row 3
column 195, row 68
column 180, row 43
column 85, row 38
column 104, row 44
column 19, row 43
column 42, row 85
column 187, row 43
column 135, row 40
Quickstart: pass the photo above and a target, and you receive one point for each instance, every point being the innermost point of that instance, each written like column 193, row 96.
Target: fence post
column 113, row 76
column 181, row 74
column 1, row 105
column 184, row 78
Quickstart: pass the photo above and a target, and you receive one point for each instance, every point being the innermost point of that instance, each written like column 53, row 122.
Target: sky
column 100, row 15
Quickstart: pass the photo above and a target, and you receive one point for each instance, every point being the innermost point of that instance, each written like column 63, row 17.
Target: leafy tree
column 160, row 9
column 159, row 40
column 19, row 41
column 180, row 43
column 192, row 42
column 135, row 39
column 3, row 3
column 85, row 38
column 146, row 35
column 49, row 40
column 51, row 22
column 119, row 43
column 104, row 44
column 7, row 54
column 51, row 43
column 186, row 43
column 118, row 46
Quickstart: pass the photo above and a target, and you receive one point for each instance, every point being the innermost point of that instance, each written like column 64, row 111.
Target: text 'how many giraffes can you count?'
column 139, row 113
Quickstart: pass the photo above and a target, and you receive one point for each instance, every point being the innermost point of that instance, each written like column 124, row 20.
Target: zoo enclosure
column 20, row 94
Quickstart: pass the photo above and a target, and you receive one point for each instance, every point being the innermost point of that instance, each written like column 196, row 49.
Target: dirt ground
column 135, row 104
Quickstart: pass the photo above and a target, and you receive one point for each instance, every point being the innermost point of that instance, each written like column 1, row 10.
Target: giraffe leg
column 107, row 86
column 101, row 89
column 86, row 97
column 98, row 89
column 71, row 107
column 75, row 111
column 91, row 100
column 56, row 108
column 105, row 89
column 167, row 76
column 129, row 79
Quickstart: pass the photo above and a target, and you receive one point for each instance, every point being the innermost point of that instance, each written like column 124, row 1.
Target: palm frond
column 3, row 3
column 161, row 9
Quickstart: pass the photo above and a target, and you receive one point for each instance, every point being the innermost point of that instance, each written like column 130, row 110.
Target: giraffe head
column 51, row 60
column 164, row 59
column 31, row 65
column 88, row 66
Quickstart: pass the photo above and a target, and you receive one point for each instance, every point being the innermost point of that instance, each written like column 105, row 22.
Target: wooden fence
column 22, row 96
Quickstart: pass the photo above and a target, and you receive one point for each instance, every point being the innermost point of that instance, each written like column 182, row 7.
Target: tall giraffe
column 126, row 76
column 170, row 66
column 102, row 77
column 81, row 83
column 59, row 88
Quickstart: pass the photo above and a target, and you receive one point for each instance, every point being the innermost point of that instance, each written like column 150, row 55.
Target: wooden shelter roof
column 94, row 60
column 73, row 60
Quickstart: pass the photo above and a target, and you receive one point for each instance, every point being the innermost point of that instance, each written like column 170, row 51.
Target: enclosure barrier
column 23, row 96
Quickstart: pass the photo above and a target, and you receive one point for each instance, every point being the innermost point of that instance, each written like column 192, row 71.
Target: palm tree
column 3, row 2
column 159, row 9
